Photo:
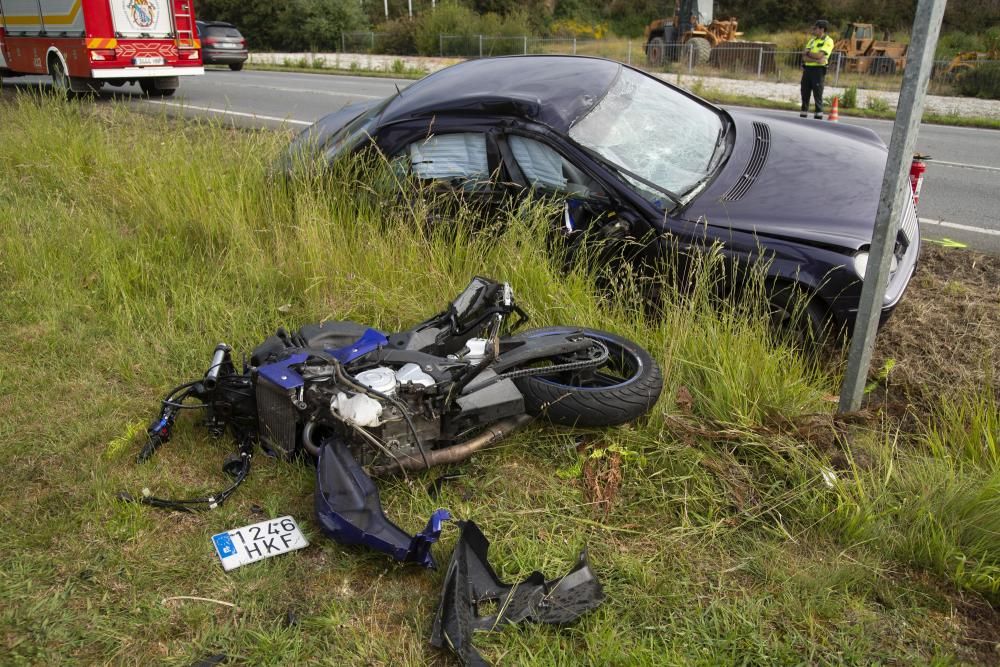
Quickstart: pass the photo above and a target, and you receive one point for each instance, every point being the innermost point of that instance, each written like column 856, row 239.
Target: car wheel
column 236, row 67
column 798, row 318
column 702, row 50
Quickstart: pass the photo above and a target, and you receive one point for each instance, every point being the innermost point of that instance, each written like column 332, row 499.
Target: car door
column 456, row 168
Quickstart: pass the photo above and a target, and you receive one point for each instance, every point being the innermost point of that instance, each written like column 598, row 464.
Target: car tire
column 702, row 50
column 798, row 318
column 571, row 399
column 236, row 67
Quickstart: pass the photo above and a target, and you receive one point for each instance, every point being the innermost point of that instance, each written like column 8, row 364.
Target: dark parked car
column 629, row 150
column 222, row 44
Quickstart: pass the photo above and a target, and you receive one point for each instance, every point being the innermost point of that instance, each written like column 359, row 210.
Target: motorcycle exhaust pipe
column 219, row 357
column 493, row 434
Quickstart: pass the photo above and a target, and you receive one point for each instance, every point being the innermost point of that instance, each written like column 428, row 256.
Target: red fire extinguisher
column 917, row 169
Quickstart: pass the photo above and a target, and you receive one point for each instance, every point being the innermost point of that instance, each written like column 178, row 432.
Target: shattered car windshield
column 647, row 128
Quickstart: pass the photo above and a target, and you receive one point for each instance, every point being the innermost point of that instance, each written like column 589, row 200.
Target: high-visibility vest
column 822, row 45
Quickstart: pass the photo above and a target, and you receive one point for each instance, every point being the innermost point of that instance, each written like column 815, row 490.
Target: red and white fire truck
column 83, row 44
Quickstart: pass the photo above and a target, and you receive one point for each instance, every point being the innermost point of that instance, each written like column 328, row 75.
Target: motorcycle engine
column 382, row 418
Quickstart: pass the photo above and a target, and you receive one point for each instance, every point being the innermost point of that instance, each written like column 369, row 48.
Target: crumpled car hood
column 819, row 182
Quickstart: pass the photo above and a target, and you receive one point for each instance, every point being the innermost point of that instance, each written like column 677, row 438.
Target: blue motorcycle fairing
column 349, row 510
column 281, row 373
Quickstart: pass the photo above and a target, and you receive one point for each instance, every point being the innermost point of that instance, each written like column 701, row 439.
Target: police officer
column 814, row 62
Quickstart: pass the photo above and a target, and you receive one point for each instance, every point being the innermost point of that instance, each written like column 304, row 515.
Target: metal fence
column 735, row 60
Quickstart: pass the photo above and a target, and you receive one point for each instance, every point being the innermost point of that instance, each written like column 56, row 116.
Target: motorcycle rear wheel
column 624, row 388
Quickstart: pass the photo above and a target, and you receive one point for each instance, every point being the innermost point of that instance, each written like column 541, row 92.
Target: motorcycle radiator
column 277, row 424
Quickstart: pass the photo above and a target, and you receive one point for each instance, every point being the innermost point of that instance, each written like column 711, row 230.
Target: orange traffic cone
column 834, row 116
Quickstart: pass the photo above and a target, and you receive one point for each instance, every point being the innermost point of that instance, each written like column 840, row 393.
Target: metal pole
column 690, row 57
column 574, row 46
column 630, row 51
column 372, row 35
column 895, row 187
column 343, row 42
column 760, row 61
column 836, row 77
column 409, row 7
column 480, row 45
column 385, row 3
column 441, row 44
column 525, row 45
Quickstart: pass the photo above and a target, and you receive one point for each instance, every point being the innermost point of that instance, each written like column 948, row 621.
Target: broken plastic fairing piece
column 471, row 581
column 349, row 510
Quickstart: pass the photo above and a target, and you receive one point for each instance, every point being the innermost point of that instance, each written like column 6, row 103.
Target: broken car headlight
column 861, row 264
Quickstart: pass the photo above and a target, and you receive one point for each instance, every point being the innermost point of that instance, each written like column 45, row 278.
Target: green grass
column 131, row 245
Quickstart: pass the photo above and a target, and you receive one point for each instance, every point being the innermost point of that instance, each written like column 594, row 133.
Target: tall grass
column 131, row 245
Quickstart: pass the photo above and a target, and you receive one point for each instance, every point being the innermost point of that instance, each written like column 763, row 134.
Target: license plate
column 226, row 45
column 147, row 60
column 258, row 541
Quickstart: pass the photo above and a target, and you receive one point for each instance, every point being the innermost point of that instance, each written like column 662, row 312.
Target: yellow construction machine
column 859, row 51
column 693, row 29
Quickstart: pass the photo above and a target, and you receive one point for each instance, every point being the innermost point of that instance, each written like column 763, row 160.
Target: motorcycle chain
column 559, row 368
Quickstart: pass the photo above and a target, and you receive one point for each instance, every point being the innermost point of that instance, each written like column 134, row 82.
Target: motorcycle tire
column 626, row 387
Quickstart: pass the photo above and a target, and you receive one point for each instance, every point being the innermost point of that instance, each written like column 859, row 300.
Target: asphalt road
column 958, row 201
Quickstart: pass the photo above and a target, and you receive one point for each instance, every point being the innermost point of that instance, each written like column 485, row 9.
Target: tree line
column 303, row 25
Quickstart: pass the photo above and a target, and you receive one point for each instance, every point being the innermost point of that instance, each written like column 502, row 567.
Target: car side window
column 460, row 157
column 546, row 169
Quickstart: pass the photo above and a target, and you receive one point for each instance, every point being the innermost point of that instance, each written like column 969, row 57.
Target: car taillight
column 209, row 41
column 102, row 54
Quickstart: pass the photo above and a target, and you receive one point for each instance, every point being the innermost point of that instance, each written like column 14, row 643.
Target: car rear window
column 220, row 31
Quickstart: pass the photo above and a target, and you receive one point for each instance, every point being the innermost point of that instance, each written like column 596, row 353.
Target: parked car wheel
column 236, row 67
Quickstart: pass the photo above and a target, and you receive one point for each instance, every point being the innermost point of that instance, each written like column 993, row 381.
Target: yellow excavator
column 693, row 27
column 860, row 52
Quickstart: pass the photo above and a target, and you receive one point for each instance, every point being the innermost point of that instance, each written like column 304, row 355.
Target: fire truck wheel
column 60, row 80
column 149, row 88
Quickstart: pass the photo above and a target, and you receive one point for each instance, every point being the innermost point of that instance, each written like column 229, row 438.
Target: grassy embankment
column 131, row 245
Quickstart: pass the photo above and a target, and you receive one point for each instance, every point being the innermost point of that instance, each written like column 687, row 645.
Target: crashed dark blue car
column 643, row 158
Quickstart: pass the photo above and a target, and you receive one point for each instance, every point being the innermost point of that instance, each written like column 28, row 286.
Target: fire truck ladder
column 184, row 24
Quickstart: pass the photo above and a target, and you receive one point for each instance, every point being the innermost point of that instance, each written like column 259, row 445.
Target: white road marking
column 227, row 112
column 962, row 165
column 964, row 228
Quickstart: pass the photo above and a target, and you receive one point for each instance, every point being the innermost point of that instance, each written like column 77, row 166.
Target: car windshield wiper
column 622, row 171
column 720, row 144
column 713, row 161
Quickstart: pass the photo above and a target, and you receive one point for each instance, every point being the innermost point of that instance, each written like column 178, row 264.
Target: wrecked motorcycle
column 349, row 397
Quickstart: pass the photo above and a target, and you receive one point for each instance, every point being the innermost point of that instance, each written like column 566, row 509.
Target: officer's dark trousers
column 812, row 84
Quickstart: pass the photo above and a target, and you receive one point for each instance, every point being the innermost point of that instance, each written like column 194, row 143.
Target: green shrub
column 877, row 104
column 398, row 37
column 315, row 25
column 450, row 18
column 849, row 99
column 982, row 80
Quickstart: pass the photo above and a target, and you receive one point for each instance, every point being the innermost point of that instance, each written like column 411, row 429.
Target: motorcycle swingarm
column 349, row 510
column 523, row 348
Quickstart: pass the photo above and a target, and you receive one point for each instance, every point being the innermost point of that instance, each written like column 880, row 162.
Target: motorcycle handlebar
column 219, row 357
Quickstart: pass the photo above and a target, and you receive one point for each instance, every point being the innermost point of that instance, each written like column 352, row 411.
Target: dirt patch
column 944, row 337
